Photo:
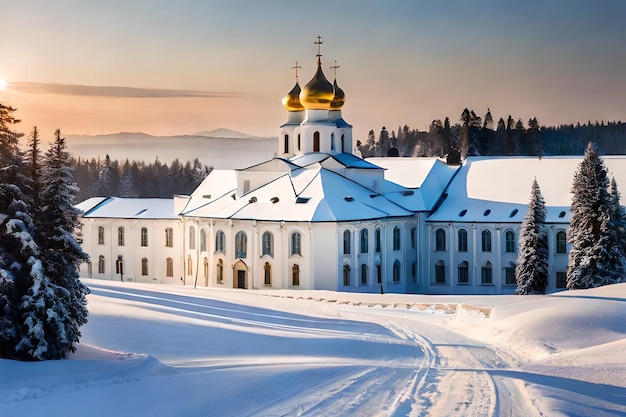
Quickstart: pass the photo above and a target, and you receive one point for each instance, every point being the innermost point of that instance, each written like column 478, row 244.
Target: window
column 561, row 243
column 346, row 242
column 120, row 236
column 364, row 241
column 396, row 271
column 440, row 240
column 267, row 274
column 316, row 142
column 144, row 266
column 220, row 271
column 119, row 266
column 202, row 240
column 346, row 275
column 144, row 236
column 377, row 241
column 343, row 139
column 267, row 244
column 486, row 275
column 246, row 186
column 486, row 241
column 379, row 274
column 413, row 237
column 205, row 264
column 396, row 238
column 100, row 235
column 363, row 274
column 440, row 272
column 189, row 265
column 463, row 272
column 462, row 240
column 509, row 276
column 299, row 147
column 296, row 248
column 169, row 237
column 286, row 144
column 219, row 241
column 295, row 275
column 101, row 264
column 169, row 267
column 414, row 271
column 332, row 141
column 241, row 244
column 192, row 237
column 561, row 280
column 509, row 238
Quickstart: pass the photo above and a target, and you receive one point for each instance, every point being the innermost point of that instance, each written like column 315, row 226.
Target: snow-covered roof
column 497, row 189
column 128, row 208
column 345, row 159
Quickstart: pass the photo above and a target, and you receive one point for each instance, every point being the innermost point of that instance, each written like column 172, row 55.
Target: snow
column 166, row 350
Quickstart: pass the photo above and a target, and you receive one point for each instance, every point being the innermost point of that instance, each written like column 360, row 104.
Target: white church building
column 317, row 216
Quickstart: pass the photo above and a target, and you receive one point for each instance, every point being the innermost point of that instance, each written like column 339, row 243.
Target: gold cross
column 297, row 67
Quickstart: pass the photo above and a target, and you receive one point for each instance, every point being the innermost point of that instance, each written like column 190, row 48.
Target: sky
column 169, row 68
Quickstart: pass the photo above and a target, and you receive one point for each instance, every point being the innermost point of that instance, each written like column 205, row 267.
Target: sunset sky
column 177, row 67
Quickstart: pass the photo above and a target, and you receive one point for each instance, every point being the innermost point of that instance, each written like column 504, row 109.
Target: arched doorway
column 240, row 275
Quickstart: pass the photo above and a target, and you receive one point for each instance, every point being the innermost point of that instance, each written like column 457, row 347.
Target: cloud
column 112, row 91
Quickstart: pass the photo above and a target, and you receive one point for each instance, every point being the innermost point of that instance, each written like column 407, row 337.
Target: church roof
column 346, row 159
column 128, row 208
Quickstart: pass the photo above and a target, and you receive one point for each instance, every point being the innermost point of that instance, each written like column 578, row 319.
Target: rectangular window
column 100, row 235
column 169, row 237
column 440, row 273
column 463, row 272
column 144, row 236
column 486, row 275
column 561, row 280
column 509, row 276
column 120, row 236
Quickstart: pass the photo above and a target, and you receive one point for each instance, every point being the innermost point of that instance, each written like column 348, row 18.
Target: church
column 318, row 216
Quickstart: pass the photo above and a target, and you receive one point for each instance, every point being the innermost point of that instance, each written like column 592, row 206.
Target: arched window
column 144, row 236
column 169, row 237
column 205, row 264
column 509, row 238
column 295, row 275
column 299, row 147
column 462, row 240
column 486, row 274
column 413, row 238
column 396, row 271
column 241, row 244
column 377, row 241
column 267, row 244
column 120, row 236
column 220, row 271
column 101, row 268
column 463, row 271
column 189, row 265
column 144, row 266
column 440, row 272
column 364, row 241
column 267, row 274
column 346, row 242
column 296, row 248
column 332, row 141
column 100, row 235
column 169, row 267
column 219, row 241
column 363, row 274
column 379, row 274
column 343, row 149
column 316, row 142
column 396, row 238
column 486, row 241
column 561, row 242
column 346, row 275
column 202, row 240
column 192, row 237
column 440, row 240
column 286, row 144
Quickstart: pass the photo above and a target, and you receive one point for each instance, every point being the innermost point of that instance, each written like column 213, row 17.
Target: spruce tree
column 531, row 271
column 596, row 257
column 618, row 214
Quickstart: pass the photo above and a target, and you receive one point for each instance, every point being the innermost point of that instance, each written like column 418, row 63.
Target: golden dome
column 292, row 100
column 339, row 99
column 318, row 93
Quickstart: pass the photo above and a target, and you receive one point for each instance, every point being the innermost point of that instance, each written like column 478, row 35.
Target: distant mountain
column 219, row 152
column 224, row 133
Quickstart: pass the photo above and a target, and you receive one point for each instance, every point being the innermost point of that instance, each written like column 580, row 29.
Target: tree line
column 42, row 300
column 473, row 135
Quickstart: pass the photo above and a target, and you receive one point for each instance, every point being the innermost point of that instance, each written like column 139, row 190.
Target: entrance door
column 241, row 279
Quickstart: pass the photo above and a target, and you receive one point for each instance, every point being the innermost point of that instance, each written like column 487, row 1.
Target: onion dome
column 292, row 100
column 339, row 99
column 319, row 92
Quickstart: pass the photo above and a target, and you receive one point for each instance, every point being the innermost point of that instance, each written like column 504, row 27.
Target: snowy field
column 153, row 350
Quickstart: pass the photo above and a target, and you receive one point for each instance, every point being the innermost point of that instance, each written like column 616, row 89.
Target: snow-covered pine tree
column 618, row 215
column 531, row 271
column 596, row 257
column 60, row 252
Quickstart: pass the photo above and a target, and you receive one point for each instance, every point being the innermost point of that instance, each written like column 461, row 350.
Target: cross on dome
column 334, row 67
column 296, row 67
column 319, row 43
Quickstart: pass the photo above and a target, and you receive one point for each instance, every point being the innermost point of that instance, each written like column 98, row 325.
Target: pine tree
column 618, row 214
column 531, row 271
column 596, row 257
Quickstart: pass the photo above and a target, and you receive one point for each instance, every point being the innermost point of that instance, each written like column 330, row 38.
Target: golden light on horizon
column 3, row 84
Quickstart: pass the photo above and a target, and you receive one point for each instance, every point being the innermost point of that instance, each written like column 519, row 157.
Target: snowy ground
column 171, row 351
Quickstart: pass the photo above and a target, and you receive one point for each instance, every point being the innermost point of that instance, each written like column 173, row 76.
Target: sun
column 3, row 84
